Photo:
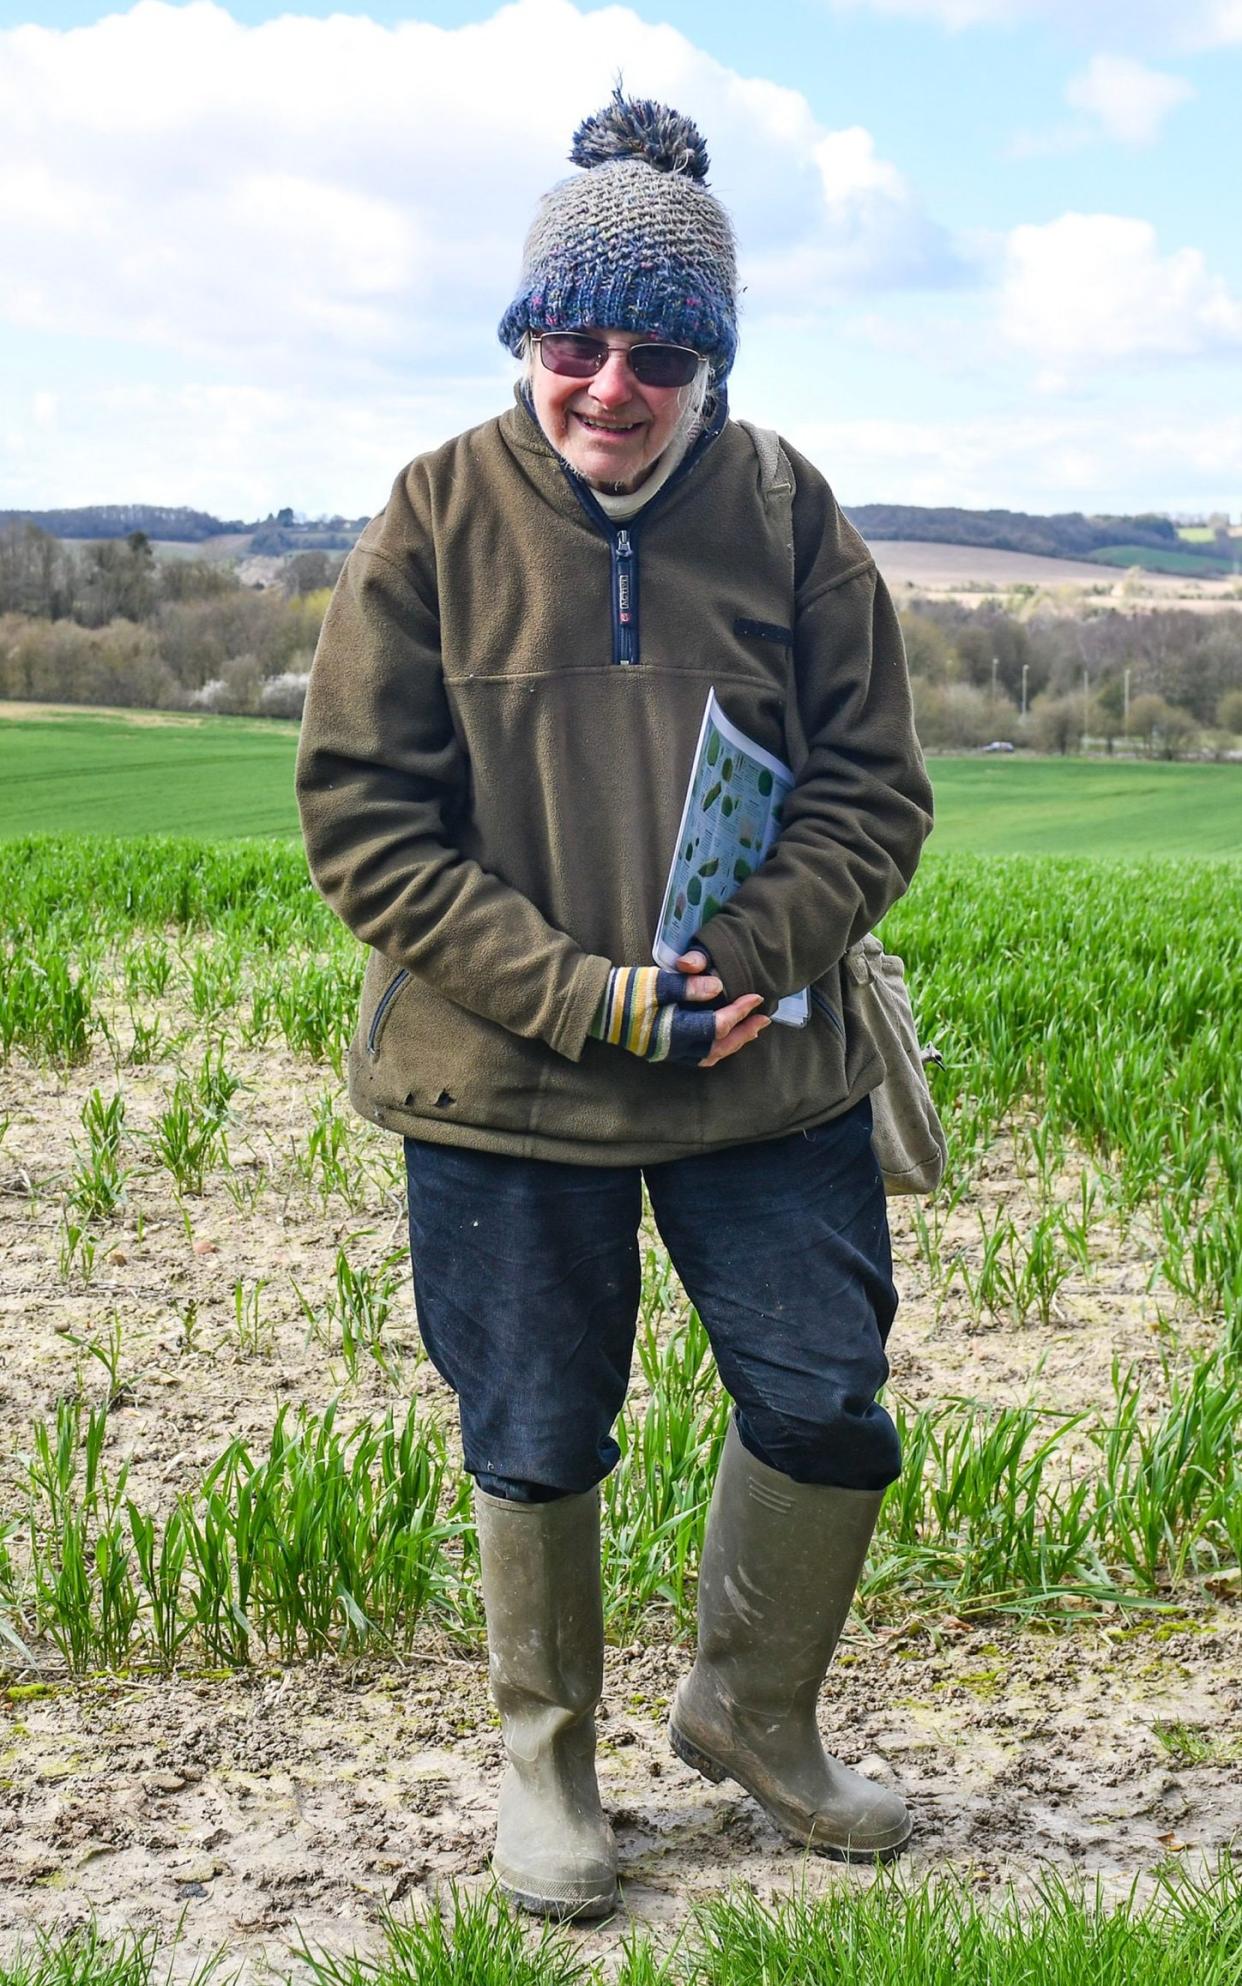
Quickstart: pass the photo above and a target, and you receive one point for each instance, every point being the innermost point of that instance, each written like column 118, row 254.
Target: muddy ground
column 300, row 1801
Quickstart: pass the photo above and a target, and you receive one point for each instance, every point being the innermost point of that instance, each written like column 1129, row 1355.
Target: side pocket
column 829, row 1012
column 383, row 1009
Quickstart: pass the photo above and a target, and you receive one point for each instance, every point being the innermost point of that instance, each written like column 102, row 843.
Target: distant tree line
column 116, row 520
column 109, row 623
column 1068, row 535
column 279, row 532
column 1166, row 681
column 273, row 541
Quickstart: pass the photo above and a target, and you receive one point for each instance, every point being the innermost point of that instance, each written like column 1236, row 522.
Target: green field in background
column 217, row 777
column 1030, row 806
column 92, row 774
column 1190, row 565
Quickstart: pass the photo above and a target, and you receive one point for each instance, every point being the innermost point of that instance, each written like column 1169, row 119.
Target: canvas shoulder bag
column 906, row 1133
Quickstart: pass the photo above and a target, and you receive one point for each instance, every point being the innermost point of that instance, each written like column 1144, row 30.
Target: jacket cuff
column 578, row 1010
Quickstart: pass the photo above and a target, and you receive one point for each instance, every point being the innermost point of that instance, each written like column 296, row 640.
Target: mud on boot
column 780, row 1564
column 555, row 1853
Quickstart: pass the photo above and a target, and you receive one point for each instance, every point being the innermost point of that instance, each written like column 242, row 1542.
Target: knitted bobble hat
column 635, row 242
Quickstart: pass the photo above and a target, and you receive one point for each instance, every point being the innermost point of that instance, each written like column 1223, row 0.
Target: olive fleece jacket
column 501, row 719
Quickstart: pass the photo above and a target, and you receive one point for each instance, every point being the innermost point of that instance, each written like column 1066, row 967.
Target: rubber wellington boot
column 780, row 1564
column 555, row 1852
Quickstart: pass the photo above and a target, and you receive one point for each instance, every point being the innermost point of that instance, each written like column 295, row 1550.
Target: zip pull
column 625, row 604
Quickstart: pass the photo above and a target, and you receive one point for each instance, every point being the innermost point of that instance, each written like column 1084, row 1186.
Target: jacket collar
column 567, row 491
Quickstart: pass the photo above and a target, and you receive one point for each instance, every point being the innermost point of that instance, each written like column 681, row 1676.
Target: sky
column 255, row 254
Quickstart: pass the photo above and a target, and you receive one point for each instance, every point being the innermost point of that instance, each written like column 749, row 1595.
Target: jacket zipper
column 624, row 546
column 829, row 1012
column 624, row 599
column 386, row 999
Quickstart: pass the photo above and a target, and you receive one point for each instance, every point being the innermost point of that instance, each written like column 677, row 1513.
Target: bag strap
column 860, row 958
column 779, row 488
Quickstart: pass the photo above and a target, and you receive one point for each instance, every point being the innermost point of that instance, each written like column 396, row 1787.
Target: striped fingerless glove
column 642, row 1010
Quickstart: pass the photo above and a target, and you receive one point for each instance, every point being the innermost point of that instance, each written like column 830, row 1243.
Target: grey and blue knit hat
column 633, row 243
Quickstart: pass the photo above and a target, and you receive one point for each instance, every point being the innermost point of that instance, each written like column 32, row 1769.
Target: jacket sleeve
column 862, row 805
column 381, row 774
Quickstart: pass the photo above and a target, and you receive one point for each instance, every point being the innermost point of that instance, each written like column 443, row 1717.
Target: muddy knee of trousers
column 848, row 1447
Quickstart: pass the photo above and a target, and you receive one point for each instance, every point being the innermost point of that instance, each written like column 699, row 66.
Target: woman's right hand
column 666, row 1016
column 738, row 1023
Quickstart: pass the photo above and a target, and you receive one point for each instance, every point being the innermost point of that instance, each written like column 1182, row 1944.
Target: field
column 152, row 772
column 976, row 569
column 67, row 771
column 1118, row 808
column 240, row 1655
column 1191, row 565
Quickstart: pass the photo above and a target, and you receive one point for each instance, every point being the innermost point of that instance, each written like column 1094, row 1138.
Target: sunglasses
column 574, row 355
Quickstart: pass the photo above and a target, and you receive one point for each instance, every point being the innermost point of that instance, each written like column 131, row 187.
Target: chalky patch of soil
column 300, row 1801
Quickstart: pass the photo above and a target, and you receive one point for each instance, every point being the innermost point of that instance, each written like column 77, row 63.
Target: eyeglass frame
column 536, row 338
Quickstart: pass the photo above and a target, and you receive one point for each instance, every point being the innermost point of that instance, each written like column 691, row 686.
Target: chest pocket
column 763, row 631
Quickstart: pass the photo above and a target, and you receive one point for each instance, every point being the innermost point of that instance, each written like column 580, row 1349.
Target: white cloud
column 236, row 450
column 1129, row 101
column 241, row 451
column 946, row 13
column 1095, row 287
column 346, row 197
column 1224, row 23
column 306, row 232
column 870, row 233
column 1039, row 462
column 1195, row 24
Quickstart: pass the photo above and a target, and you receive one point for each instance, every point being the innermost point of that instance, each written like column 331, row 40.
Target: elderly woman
column 502, row 717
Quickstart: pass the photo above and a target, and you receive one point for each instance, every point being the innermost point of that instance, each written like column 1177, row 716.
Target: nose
column 613, row 384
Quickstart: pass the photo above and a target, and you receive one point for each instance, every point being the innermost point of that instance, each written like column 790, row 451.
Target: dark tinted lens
column 663, row 365
column 572, row 354
column 576, row 356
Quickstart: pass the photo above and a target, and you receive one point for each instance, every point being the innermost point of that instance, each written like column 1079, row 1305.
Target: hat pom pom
column 637, row 128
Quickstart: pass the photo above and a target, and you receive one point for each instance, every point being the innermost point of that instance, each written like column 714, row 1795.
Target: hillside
column 1148, row 540
column 926, row 566
column 176, row 524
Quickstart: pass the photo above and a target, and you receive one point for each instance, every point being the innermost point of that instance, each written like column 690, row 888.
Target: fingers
column 740, row 1035
column 702, row 987
column 737, row 1025
column 736, row 1011
column 678, row 989
column 701, row 983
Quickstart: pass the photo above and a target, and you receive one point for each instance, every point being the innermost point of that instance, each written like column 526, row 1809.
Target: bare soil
column 18, row 711
column 973, row 571
column 301, row 1800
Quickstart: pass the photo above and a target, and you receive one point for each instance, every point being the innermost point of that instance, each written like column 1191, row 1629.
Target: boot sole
column 710, row 1768
column 560, row 1907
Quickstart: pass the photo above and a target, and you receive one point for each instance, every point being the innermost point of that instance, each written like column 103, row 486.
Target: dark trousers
column 527, row 1280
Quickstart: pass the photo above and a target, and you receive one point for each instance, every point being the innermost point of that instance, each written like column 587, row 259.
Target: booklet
column 731, row 818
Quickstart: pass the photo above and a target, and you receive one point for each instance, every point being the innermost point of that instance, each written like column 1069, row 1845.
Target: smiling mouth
column 608, row 427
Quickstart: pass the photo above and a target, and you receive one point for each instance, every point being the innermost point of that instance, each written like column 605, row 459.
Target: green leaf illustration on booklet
column 711, row 837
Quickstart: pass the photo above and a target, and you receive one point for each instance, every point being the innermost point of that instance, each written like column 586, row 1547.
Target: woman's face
column 609, row 428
